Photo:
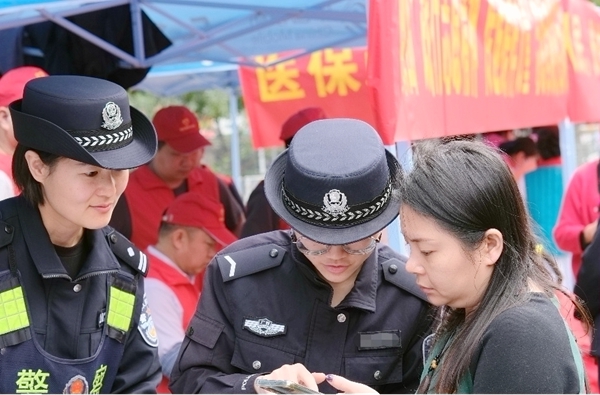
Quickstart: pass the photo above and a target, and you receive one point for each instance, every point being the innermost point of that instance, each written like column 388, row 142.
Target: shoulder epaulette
column 394, row 271
column 249, row 261
column 126, row 251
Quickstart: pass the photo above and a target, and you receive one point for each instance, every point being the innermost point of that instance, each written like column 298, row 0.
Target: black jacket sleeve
column 139, row 371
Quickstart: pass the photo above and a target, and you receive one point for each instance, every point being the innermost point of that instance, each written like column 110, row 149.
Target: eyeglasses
column 311, row 247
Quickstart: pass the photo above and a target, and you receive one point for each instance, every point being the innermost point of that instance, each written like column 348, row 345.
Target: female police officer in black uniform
column 73, row 316
column 325, row 295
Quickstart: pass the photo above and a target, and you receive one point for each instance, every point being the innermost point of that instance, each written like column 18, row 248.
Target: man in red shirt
column 191, row 232
column 175, row 169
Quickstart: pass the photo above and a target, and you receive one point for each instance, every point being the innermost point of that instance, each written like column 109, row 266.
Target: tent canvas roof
column 224, row 31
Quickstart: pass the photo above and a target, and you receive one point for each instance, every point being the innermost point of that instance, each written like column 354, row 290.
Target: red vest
column 148, row 196
column 186, row 292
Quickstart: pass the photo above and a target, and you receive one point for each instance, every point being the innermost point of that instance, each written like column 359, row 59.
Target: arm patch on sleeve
column 146, row 325
column 249, row 261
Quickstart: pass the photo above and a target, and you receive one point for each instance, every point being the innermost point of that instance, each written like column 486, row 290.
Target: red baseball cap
column 13, row 82
column 198, row 211
column 179, row 127
column 297, row 120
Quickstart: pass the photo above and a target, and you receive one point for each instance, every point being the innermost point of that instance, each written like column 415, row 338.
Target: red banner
column 448, row 67
column 582, row 36
column 333, row 79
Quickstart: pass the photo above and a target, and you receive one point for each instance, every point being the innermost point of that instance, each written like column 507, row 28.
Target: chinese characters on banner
column 447, row 67
column 333, row 79
column 582, row 34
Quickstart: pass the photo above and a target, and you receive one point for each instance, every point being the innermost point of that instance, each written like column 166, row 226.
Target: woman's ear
column 38, row 169
column 492, row 246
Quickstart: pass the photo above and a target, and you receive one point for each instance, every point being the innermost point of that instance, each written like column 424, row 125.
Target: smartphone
column 283, row 387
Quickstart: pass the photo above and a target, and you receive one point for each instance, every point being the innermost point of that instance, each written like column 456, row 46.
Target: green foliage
column 597, row 2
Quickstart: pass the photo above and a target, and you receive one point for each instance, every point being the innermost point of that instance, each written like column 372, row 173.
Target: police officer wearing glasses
column 324, row 296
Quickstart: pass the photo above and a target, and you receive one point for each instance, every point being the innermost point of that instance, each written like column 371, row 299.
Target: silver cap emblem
column 335, row 203
column 111, row 115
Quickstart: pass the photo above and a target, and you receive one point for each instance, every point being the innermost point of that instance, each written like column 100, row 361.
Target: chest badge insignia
column 264, row 327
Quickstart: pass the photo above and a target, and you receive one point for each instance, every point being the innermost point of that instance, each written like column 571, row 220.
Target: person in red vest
column 191, row 232
column 175, row 169
column 260, row 217
column 11, row 89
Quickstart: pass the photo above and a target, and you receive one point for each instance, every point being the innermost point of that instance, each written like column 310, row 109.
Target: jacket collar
column 100, row 259
column 364, row 293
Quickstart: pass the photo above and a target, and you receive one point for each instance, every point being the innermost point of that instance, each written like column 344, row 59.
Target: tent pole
column 139, row 50
column 235, row 142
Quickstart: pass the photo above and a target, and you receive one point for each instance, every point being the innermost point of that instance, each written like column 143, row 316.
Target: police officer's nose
column 336, row 252
column 108, row 183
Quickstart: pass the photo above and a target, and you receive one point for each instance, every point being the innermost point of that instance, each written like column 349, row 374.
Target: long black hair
column 467, row 188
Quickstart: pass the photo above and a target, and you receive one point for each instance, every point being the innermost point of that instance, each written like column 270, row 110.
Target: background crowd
column 180, row 216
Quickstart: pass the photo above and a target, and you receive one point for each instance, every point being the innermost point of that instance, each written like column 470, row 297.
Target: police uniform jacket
column 68, row 314
column 263, row 305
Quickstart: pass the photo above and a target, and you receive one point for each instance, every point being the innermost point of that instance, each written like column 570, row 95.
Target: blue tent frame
column 224, row 31
column 209, row 38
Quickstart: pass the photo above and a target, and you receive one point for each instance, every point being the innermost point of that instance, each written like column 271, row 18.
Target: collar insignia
column 264, row 327
column 111, row 115
column 335, row 203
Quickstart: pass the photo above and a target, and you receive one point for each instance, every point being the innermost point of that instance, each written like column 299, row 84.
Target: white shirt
column 6, row 186
column 167, row 312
